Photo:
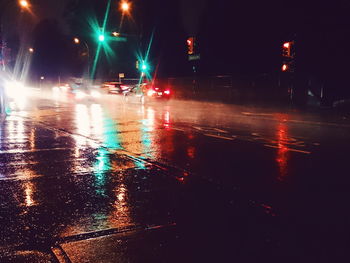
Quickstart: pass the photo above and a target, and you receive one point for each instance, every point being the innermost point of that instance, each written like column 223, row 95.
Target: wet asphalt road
column 102, row 180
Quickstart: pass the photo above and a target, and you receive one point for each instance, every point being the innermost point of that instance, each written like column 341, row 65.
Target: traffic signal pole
column 288, row 66
column 193, row 57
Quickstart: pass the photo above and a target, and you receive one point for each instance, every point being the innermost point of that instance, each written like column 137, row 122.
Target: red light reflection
column 283, row 152
column 167, row 120
column 191, row 152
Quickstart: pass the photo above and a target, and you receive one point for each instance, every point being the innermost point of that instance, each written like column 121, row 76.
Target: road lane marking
column 266, row 116
column 177, row 129
column 219, row 137
column 220, row 130
column 289, row 149
column 34, row 151
column 257, row 114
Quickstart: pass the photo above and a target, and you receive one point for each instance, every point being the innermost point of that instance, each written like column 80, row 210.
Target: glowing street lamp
column 116, row 34
column 125, row 6
column 77, row 42
column 31, row 50
column 24, row 3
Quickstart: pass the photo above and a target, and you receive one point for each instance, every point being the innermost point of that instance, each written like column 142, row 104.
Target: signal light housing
column 287, row 49
column 190, row 45
column 284, row 67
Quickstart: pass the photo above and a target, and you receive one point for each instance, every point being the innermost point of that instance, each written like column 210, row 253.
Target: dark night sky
column 246, row 36
column 234, row 37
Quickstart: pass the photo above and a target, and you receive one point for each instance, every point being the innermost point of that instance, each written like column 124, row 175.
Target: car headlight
column 14, row 89
column 80, row 94
column 95, row 94
column 151, row 92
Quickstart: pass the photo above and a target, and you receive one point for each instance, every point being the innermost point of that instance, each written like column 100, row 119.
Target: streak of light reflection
column 29, row 189
column 121, row 216
column 282, row 152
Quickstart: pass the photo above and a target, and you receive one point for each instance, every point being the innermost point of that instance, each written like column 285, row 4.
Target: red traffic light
column 287, row 49
column 190, row 45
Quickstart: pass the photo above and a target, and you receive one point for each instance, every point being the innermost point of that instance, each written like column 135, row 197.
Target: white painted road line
column 288, row 149
column 219, row 137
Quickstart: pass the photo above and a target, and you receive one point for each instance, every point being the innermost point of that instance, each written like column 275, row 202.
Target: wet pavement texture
column 109, row 181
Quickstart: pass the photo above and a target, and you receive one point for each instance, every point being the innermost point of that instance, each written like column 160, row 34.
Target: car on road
column 78, row 90
column 146, row 92
column 113, row 87
column 83, row 92
column 62, row 87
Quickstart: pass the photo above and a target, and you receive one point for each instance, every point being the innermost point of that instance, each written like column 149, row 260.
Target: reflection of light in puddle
column 150, row 120
column 121, row 195
column 167, row 120
column 16, row 131
column 101, row 166
column 282, row 152
column 118, row 217
column 191, row 151
column 32, row 139
column 121, row 217
column 146, row 135
column 29, row 189
column 167, row 117
column 82, row 119
column 97, row 120
column 87, row 124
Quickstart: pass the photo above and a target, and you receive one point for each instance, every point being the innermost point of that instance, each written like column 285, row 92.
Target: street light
column 24, row 3
column 77, row 41
column 116, row 34
column 125, row 6
column 31, row 50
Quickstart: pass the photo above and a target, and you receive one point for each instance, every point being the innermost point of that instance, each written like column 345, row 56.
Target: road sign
column 194, row 57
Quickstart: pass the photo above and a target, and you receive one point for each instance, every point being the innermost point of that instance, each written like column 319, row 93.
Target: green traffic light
column 144, row 66
column 101, row 38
